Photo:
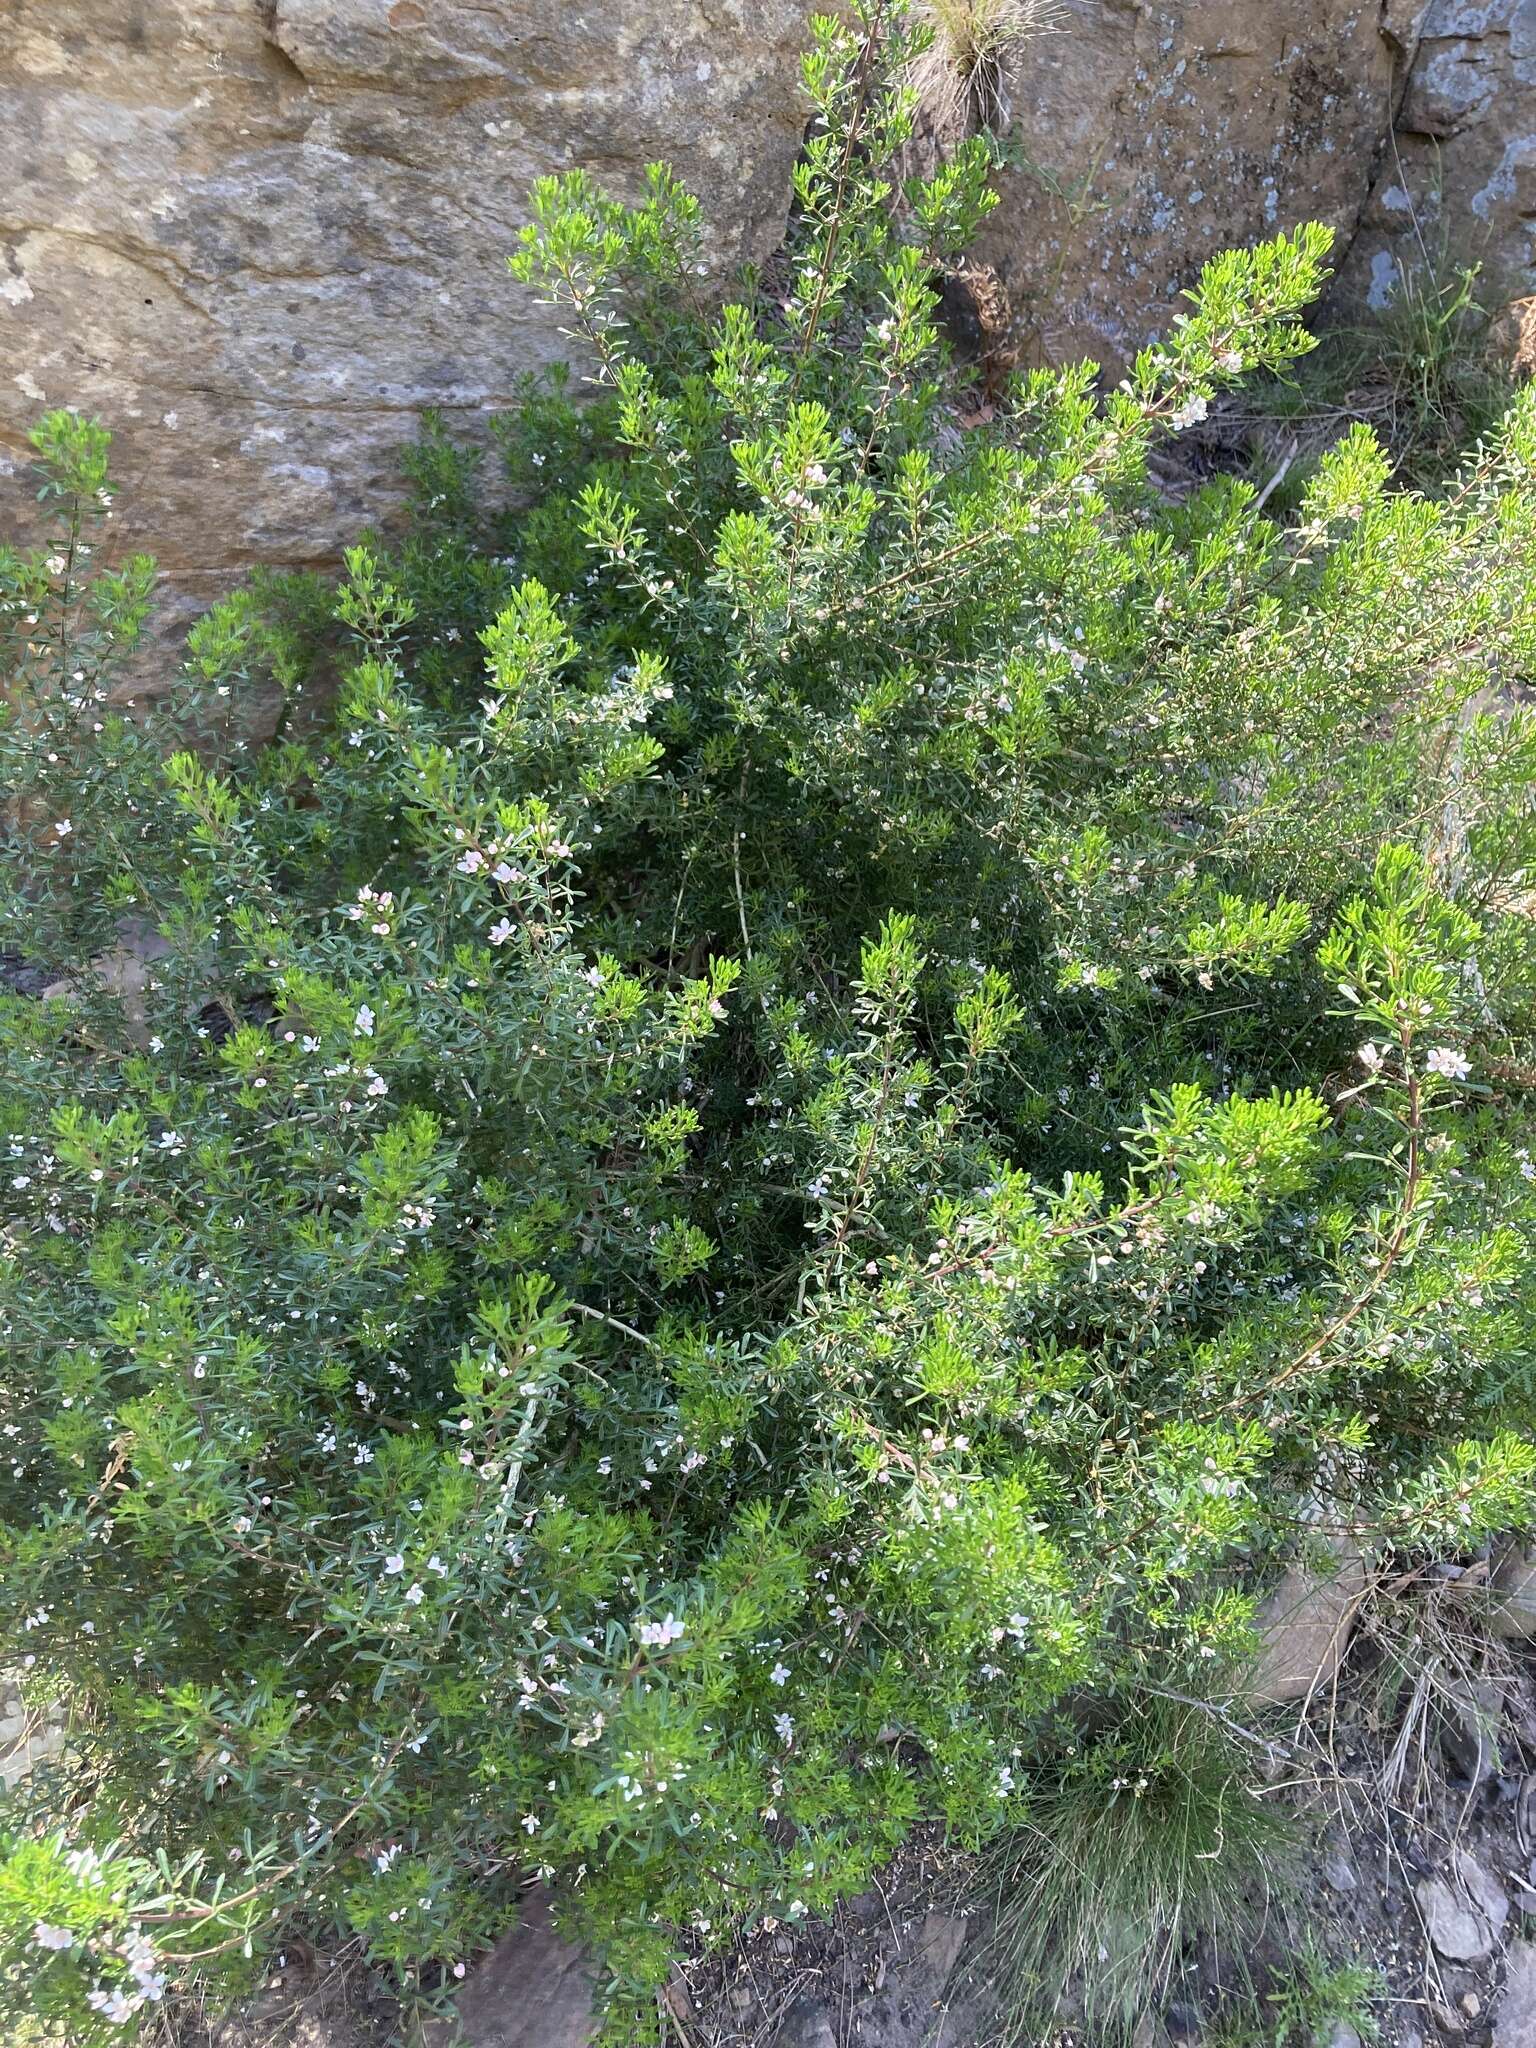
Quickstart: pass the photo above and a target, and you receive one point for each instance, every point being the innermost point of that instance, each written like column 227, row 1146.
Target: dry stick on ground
column 1278, row 477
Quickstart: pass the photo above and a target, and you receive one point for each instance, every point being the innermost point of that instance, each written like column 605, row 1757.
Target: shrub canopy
column 829, row 1077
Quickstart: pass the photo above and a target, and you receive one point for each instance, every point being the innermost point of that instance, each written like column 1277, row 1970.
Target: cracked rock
column 1463, row 1918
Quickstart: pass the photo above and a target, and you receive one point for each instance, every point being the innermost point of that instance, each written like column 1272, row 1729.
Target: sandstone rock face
column 1305, row 1624
column 531, row 1991
column 256, row 236
column 1163, row 131
column 1459, row 185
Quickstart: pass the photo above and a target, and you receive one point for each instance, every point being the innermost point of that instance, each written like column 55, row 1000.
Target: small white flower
column 530, row 1824
column 1189, row 414
column 779, row 1675
column 62, row 828
column 1447, row 1061
column 46, row 1936
column 414, row 1595
column 362, row 1023
column 784, row 1727
column 112, row 2005
column 471, row 863
column 394, row 1565
column 501, row 931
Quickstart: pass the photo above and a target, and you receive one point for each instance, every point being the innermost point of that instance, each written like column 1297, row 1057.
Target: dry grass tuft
column 961, row 78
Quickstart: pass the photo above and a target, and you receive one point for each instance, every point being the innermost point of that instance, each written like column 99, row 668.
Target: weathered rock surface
column 532, row 1991
column 807, row 2024
column 908, row 2011
column 25, row 1738
column 1482, row 1888
column 1514, row 2010
column 1458, row 1931
column 256, row 236
column 1459, row 184
column 1512, row 1590
column 1470, row 1724
column 1304, row 1625
column 1463, row 1916
column 1163, row 131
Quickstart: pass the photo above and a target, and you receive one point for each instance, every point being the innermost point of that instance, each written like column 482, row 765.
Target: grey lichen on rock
column 1458, row 186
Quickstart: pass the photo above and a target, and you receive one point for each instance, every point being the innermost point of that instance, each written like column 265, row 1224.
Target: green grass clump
column 1148, row 1832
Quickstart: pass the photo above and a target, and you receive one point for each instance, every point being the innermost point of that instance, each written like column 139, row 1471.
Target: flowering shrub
column 825, row 1081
